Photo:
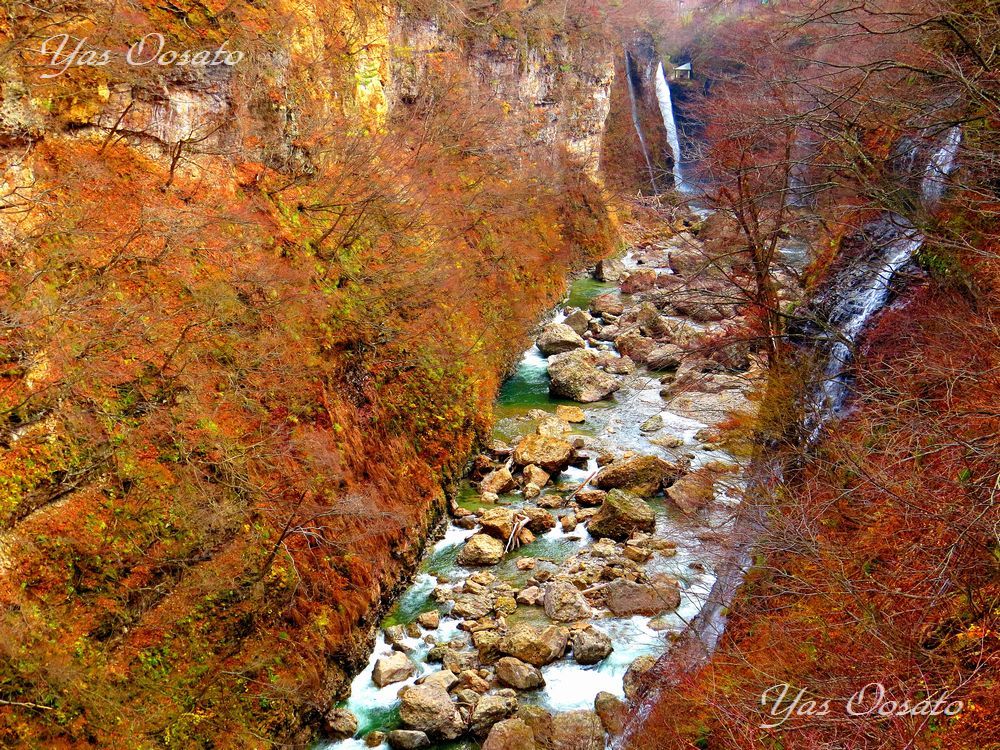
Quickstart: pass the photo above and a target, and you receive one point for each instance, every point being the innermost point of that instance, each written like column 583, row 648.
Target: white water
column 667, row 110
column 941, row 165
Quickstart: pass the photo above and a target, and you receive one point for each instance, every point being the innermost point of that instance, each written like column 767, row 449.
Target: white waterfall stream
column 669, row 121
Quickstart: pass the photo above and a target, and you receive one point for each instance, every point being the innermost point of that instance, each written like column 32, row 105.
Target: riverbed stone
column 620, row 515
column 590, row 498
column 576, row 376
column 564, row 603
column 374, row 739
column 610, row 270
column 578, row 320
column 611, row 711
column 539, row 520
column 498, row 523
column 531, row 596
column 519, row 674
column 694, row 491
column 572, row 414
column 577, row 730
column 492, row 708
column 498, row 481
column 394, row 668
column 640, row 280
column 557, row 338
column 639, row 475
column 430, row 620
column 568, row 522
column 607, row 304
column 443, row 677
column 626, row 598
column 665, row 357
column 339, row 724
column 591, row 645
column 635, row 346
column 634, row 677
column 407, row 739
column 429, row 708
column 535, row 475
column 536, row 646
column 552, row 454
column 481, row 549
column 510, row 734
column 471, row 606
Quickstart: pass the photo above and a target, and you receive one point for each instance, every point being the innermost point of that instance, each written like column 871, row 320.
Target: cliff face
column 253, row 320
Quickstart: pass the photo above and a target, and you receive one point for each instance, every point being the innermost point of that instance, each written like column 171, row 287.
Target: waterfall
column 667, row 110
column 860, row 293
column 629, row 73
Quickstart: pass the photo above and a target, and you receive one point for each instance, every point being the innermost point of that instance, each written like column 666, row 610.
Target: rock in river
column 640, row 475
column 339, row 724
column 575, row 375
column 498, row 522
column 498, row 481
column 558, row 338
column 577, row 730
column 394, row 668
column 549, row 453
column 492, row 708
column 481, row 549
column 518, row 674
column 591, row 645
column 428, row 708
column 408, row 739
column 537, row 646
column 620, row 515
column 511, row 734
column 564, row 602
column 626, row 598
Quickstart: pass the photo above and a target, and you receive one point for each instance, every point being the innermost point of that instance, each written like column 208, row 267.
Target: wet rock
column 607, row 304
column 693, row 492
column 510, row 734
column 557, row 338
column 430, row 620
column 481, row 466
column 394, row 668
column 491, row 709
column 505, row 605
column 470, row 679
column 498, row 482
column 531, row 596
column 590, row 498
column 576, row 376
column 537, row 646
column 535, row 475
column 635, row 346
column 610, row 270
column 407, row 739
column 487, row 643
column 577, row 730
column 471, row 606
column 666, row 357
column 637, row 554
column 653, row 424
column 531, row 491
column 374, row 739
column 612, row 713
column 443, row 677
column 578, row 320
column 641, row 280
column 639, row 475
column 339, row 724
column 481, row 549
column 626, row 598
column 500, row 449
column 518, row 674
column 618, row 365
column 564, row 603
column 572, row 414
column 394, row 634
column 498, row 522
column 525, row 563
column 428, row 708
column 591, row 645
column 621, row 514
column 551, row 500
column 539, row 520
column 568, row 522
column 549, row 453
column 634, row 676
column 553, row 427
column 412, row 630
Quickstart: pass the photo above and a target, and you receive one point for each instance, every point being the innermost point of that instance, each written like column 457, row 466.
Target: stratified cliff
column 252, row 319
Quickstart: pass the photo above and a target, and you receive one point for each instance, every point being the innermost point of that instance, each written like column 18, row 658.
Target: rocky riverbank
column 588, row 533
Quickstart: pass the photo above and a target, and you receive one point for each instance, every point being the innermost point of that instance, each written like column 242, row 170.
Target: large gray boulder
column 576, row 376
column 557, row 338
column 408, row 739
column 621, row 515
column 394, row 668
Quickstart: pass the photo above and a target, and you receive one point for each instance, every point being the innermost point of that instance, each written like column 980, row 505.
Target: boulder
column 626, row 598
column 537, row 646
column 577, row 730
column 531, row 596
column 443, row 677
column 590, row 498
column 552, row 426
column 498, row 522
column 666, row 357
column 612, row 712
column 557, row 338
column 539, row 520
column 429, row 620
column 618, row 365
column 487, row 643
column 428, row 708
column 620, row 515
column 491, row 709
column 653, row 424
column 576, row 376
column 394, row 668
column 609, row 270
column 540, row 722
column 568, row 522
column 694, row 491
column 471, row 606
column 642, row 280
column 549, row 453
column 339, row 724
column 498, row 481
column 518, row 674
column 591, row 645
column 376, row 738
column 481, row 549
column 407, row 739
column 634, row 676
column 572, row 414
column 535, row 475
column 578, row 320
column 607, row 304
column 640, row 475
column 564, row 603
column 635, row 346
column 510, row 734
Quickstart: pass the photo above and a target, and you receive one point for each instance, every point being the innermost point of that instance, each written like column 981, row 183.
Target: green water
column 585, row 289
